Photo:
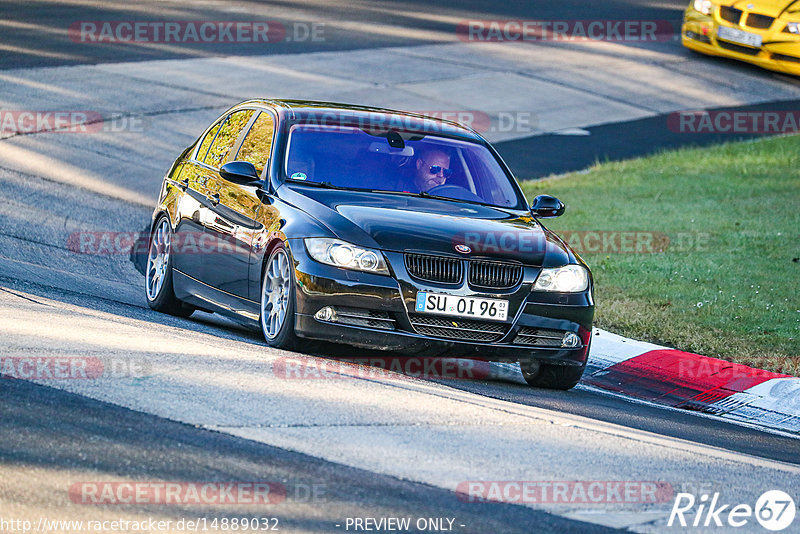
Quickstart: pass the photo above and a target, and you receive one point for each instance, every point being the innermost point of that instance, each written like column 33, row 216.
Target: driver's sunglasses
column 436, row 169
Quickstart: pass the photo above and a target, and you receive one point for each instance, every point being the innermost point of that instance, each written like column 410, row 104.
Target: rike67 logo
column 775, row 510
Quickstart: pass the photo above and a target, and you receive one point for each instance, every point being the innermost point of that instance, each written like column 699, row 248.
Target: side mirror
column 545, row 206
column 239, row 172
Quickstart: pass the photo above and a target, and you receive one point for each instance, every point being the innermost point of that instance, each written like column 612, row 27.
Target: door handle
column 214, row 199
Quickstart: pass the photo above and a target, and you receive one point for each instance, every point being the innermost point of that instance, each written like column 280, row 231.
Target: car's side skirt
column 194, row 292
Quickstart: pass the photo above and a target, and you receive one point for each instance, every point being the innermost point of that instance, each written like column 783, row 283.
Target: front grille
column 434, row 268
column 738, row 48
column 458, row 329
column 730, row 14
column 444, row 270
column 762, row 22
column 494, row 274
column 366, row 318
column 538, row 337
column 784, row 57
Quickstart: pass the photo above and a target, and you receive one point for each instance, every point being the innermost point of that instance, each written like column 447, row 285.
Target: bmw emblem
column 750, row 6
column 464, row 249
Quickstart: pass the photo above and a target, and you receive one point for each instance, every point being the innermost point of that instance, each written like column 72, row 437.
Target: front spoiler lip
column 404, row 342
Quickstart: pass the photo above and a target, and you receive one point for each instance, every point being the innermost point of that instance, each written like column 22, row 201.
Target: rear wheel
column 548, row 376
column 278, row 301
column 158, row 274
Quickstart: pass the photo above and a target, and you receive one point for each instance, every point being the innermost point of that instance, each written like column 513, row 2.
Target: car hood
column 414, row 224
column 772, row 8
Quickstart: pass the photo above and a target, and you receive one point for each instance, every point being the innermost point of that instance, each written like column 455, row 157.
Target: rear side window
column 226, row 137
column 207, row 140
column 258, row 142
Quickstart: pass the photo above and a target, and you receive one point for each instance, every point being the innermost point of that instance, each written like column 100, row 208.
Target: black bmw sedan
column 370, row 227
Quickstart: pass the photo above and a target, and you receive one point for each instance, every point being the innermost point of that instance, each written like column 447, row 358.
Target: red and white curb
column 689, row 381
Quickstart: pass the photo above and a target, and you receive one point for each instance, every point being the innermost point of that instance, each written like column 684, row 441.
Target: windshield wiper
column 324, row 185
column 425, row 194
column 421, row 194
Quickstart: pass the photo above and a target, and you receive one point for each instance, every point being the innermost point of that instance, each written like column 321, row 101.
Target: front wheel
column 158, row 274
column 278, row 301
column 548, row 376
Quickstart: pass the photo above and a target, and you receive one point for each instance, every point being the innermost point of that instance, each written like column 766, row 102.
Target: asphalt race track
column 202, row 399
column 32, row 36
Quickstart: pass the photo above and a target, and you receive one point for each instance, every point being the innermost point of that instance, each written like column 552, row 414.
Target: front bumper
column 780, row 51
column 390, row 300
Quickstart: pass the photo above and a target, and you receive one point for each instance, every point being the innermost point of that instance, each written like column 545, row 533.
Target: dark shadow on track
column 46, row 428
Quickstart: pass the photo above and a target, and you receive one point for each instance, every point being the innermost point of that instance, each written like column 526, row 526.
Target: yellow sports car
column 763, row 32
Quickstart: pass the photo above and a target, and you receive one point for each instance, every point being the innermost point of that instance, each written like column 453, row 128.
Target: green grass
column 728, row 283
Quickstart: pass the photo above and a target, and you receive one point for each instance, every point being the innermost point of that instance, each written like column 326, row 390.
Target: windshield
column 398, row 162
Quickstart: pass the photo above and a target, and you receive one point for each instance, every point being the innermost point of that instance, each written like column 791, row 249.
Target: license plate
column 739, row 36
column 478, row 308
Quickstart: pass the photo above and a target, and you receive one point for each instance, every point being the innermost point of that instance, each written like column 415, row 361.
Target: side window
column 227, row 137
column 258, row 142
column 207, row 140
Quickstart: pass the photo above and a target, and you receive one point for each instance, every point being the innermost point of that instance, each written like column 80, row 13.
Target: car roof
column 317, row 111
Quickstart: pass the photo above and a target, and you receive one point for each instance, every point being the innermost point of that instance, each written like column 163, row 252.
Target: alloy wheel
column 275, row 295
column 158, row 259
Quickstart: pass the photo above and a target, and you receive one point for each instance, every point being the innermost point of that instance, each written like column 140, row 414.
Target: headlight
column 346, row 255
column 703, row 6
column 793, row 27
column 567, row 279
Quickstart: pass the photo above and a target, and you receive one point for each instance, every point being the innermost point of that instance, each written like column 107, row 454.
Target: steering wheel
column 455, row 192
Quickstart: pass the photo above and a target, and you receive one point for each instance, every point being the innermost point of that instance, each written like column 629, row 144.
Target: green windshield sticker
column 298, row 176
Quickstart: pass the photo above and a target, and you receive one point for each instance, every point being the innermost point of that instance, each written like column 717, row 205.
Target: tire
column 159, row 292
column 278, row 305
column 548, row 376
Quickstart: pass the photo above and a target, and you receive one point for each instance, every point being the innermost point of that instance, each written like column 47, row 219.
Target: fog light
column 570, row 340
column 326, row 314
